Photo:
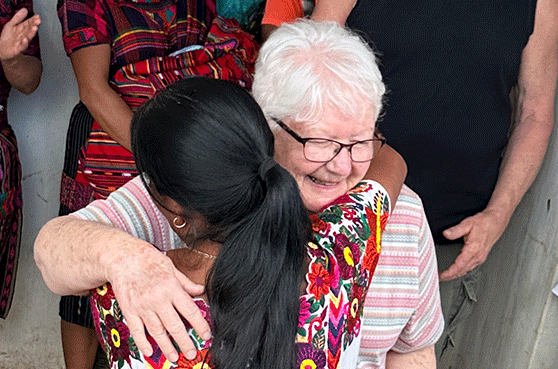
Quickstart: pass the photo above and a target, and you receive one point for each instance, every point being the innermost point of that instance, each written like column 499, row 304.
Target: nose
column 342, row 163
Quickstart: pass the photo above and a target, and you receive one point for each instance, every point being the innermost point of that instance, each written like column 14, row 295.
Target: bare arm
column 22, row 71
column 91, row 67
column 75, row 256
column 526, row 147
column 335, row 10
column 420, row 359
column 389, row 169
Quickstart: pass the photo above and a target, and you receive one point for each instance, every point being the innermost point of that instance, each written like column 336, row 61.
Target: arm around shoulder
column 76, row 255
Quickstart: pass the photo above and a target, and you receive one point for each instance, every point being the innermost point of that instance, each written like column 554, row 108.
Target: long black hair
column 206, row 144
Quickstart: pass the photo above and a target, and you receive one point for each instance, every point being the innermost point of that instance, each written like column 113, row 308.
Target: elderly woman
column 327, row 175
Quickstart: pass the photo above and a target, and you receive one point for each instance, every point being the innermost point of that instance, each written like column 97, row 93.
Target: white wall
column 30, row 336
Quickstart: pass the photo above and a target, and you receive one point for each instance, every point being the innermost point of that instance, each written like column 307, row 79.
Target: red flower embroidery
column 104, row 295
column 348, row 255
column 318, row 281
column 353, row 318
column 201, row 361
column 117, row 337
column 318, row 225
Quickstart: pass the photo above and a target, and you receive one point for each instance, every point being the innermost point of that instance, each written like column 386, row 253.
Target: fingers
column 16, row 35
column 459, row 230
column 137, row 330
column 467, row 260
column 174, row 326
column 193, row 289
column 192, row 314
column 18, row 17
column 159, row 333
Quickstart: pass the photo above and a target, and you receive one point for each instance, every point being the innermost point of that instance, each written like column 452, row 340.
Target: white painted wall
column 515, row 326
column 30, row 336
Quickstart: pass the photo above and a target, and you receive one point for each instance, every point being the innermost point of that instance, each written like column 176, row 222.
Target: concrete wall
column 30, row 336
column 515, row 326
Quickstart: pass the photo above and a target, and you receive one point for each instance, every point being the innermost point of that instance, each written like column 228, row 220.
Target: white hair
column 306, row 66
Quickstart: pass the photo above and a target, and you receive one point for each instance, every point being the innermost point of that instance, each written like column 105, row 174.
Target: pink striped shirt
column 402, row 309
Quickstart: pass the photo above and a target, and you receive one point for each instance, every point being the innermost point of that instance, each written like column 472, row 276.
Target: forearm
column 534, row 115
column 335, row 10
column 76, row 255
column 421, row 359
column 110, row 112
column 23, row 72
column 523, row 157
column 389, row 169
column 91, row 67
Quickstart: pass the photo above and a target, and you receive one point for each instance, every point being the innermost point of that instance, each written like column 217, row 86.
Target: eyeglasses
column 322, row 150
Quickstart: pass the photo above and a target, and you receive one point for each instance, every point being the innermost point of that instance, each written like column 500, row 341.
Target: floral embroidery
column 347, row 254
column 201, row 361
column 118, row 335
column 309, row 358
column 343, row 256
column 318, row 279
column 104, row 296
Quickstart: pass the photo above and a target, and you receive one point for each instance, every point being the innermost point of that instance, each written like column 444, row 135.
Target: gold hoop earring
column 179, row 226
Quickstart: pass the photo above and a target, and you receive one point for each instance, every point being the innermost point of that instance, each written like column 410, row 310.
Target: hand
column 17, row 33
column 480, row 232
column 152, row 293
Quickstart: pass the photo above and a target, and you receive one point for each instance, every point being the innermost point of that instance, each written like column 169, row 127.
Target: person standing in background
column 20, row 68
column 471, row 150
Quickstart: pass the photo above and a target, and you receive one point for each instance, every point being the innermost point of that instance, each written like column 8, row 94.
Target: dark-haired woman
column 123, row 52
column 213, row 203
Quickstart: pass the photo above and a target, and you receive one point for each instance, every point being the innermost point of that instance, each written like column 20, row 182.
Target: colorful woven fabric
column 142, row 35
column 136, row 30
column 10, row 173
column 10, row 217
column 342, row 258
column 228, row 53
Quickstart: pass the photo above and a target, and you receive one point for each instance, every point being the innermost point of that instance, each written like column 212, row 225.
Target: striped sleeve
column 131, row 210
column 426, row 324
column 402, row 306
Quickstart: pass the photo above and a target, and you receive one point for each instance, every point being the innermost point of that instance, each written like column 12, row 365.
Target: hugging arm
column 389, row 169
column 75, row 256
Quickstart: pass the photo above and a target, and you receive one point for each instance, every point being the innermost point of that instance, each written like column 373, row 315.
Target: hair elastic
column 265, row 166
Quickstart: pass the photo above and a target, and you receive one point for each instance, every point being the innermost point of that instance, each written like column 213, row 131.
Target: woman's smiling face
column 321, row 183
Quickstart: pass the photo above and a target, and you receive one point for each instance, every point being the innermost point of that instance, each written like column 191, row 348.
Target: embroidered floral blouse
column 343, row 256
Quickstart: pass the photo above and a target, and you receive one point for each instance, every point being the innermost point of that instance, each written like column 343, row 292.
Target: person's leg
column 79, row 345
column 458, row 297
column 79, row 341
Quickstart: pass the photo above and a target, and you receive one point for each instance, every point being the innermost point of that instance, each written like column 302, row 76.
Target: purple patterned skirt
column 10, row 216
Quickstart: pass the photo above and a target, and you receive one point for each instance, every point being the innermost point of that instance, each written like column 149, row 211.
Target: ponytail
column 206, row 144
column 254, row 285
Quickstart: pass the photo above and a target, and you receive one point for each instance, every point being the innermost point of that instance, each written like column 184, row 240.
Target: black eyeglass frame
column 377, row 138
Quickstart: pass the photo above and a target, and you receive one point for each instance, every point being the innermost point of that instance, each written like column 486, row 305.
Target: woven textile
column 228, row 53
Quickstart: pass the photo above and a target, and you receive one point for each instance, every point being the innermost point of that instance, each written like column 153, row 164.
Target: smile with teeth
column 322, row 183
